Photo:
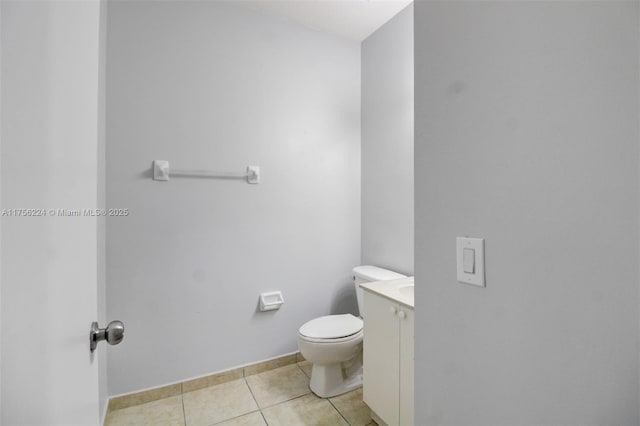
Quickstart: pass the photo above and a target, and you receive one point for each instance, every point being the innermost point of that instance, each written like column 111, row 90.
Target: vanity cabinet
column 388, row 359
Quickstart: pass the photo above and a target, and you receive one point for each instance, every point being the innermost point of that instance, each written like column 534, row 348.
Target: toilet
column 333, row 343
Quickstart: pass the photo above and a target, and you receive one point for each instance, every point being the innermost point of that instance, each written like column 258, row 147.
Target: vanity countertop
column 400, row 290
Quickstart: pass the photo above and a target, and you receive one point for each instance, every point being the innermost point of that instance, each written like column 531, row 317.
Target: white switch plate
column 476, row 244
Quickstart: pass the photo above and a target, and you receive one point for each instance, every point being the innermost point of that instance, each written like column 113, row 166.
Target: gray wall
column 209, row 86
column 387, row 145
column 527, row 135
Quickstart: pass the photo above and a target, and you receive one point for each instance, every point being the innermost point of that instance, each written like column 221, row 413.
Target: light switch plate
column 477, row 245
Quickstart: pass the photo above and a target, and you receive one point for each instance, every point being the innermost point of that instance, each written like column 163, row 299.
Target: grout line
column 289, row 400
column 336, row 408
column 303, row 372
column 184, row 412
column 254, row 397
column 278, row 403
column 233, row 418
column 264, row 418
column 255, row 400
column 286, row 400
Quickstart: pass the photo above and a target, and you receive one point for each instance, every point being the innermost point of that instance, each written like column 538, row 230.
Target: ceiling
column 352, row 19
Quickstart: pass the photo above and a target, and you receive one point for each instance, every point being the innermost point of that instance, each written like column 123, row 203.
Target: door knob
column 113, row 334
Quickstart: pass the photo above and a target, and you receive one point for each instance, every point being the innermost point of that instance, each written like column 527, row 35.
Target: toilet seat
column 331, row 328
column 354, row 337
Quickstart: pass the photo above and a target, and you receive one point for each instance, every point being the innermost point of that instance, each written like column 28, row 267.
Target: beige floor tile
column 281, row 384
column 307, row 410
column 163, row 412
column 352, row 408
column 251, row 419
column 217, row 403
column 306, row 367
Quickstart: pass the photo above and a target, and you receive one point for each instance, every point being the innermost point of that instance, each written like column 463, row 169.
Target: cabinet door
column 381, row 357
column 406, row 367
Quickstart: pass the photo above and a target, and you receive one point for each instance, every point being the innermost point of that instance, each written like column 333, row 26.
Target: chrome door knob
column 113, row 334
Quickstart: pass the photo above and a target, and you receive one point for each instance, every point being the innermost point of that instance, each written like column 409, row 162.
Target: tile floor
column 275, row 397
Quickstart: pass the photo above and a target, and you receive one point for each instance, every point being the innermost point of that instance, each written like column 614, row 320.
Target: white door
column 48, row 152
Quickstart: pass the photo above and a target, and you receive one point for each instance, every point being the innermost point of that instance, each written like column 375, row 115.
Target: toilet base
column 334, row 379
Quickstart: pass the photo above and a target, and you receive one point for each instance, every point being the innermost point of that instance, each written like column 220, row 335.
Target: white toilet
column 333, row 344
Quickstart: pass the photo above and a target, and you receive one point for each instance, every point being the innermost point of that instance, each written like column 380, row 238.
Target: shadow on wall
column 345, row 301
column 146, row 174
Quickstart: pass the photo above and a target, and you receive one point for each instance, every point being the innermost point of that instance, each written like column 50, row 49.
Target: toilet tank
column 367, row 274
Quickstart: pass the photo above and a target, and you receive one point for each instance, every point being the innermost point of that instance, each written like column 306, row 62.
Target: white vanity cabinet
column 388, row 357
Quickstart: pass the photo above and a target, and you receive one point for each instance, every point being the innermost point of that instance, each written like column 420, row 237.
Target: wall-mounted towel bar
column 162, row 172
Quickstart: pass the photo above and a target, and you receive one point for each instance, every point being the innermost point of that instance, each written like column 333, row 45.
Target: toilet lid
column 331, row 327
